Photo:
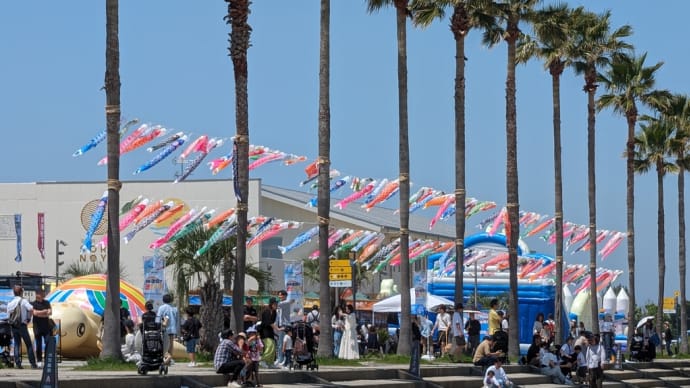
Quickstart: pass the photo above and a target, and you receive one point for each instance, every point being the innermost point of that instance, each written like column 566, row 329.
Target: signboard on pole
column 669, row 305
column 339, row 273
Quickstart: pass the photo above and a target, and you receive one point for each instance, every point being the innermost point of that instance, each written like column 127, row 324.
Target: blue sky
column 175, row 71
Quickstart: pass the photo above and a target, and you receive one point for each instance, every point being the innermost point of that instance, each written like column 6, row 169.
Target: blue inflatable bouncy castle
column 488, row 256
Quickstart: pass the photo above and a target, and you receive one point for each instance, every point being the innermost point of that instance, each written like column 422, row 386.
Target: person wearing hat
column 483, row 356
column 594, row 356
column 500, row 378
column 268, row 329
column 254, row 347
column 249, row 316
column 284, row 305
column 551, row 366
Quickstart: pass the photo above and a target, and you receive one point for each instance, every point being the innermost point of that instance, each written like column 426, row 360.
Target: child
column 254, row 346
column 287, row 348
column 581, row 364
column 490, row 380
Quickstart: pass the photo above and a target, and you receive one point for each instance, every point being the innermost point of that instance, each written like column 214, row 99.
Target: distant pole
column 476, row 297
column 353, row 261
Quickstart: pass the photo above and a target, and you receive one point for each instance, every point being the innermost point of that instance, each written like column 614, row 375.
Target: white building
column 68, row 207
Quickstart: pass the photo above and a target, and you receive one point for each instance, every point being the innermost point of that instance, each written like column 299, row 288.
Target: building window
column 269, row 248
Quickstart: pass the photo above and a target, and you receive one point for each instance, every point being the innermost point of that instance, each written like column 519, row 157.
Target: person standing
column 349, row 349
column 124, row 317
column 250, row 316
column 443, row 324
column 314, row 319
column 458, row 331
column 170, row 322
column 190, row 334
column 594, row 356
column 416, row 337
column 607, row 334
column 21, row 332
column 668, row 337
column 268, row 329
column 505, row 322
column 42, row 328
column 283, row 321
column 338, row 325
column 494, row 319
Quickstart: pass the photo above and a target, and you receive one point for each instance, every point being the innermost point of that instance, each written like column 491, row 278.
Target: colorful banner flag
column 154, row 278
column 18, row 231
column 42, row 235
column 294, row 279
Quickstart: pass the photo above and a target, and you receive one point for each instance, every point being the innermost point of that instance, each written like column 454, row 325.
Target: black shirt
column 249, row 310
column 268, row 317
column 473, row 327
column 41, row 325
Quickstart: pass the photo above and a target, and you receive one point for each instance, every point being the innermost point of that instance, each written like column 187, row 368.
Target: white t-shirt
column 443, row 321
column 26, row 308
column 505, row 325
column 458, row 324
column 287, row 343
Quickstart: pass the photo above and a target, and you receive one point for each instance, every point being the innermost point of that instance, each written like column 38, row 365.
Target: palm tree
column 237, row 17
column 652, row 146
column 551, row 26
column 204, row 272
column 511, row 12
column 324, row 194
column 401, row 14
column 461, row 21
column 628, row 82
column 111, row 315
column 594, row 45
column 679, row 114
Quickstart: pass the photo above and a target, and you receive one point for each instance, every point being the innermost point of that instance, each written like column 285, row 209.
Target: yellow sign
column 339, row 270
column 676, row 294
column 669, row 303
column 340, row 276
column 339, row 263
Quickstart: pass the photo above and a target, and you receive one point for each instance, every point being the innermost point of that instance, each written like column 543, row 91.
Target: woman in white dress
column 349, row 349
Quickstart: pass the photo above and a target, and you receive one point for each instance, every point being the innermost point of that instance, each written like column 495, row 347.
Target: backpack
column 15, row 317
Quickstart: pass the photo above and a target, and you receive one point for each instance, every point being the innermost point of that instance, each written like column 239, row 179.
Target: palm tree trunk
column 457, row 26
column 324, row 195
column 590, row 88
column 238, row 14
column 661, row 245
column 211, row 296
column 404, row 167
column 630, row 210
column 556, row 70
column 111, row 315
column 513, row 202
column 681, row 260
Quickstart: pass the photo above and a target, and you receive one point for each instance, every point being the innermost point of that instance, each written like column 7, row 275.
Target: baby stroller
column 501, row 343
column 304, row 347
column 152, row 348
column 5, row 341
column 640, row 352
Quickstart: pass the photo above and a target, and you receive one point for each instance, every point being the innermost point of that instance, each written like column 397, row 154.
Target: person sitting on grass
column 483, row 356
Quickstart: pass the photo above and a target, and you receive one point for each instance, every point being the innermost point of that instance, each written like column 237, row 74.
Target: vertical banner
column 154, row 278
column 42, row 235
column 49, row 379
column 294, row 279
column 419, row 284
column 235, row 170
column 18, row 231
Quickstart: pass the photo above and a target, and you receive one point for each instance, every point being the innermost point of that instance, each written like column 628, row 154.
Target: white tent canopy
column 392, row 304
